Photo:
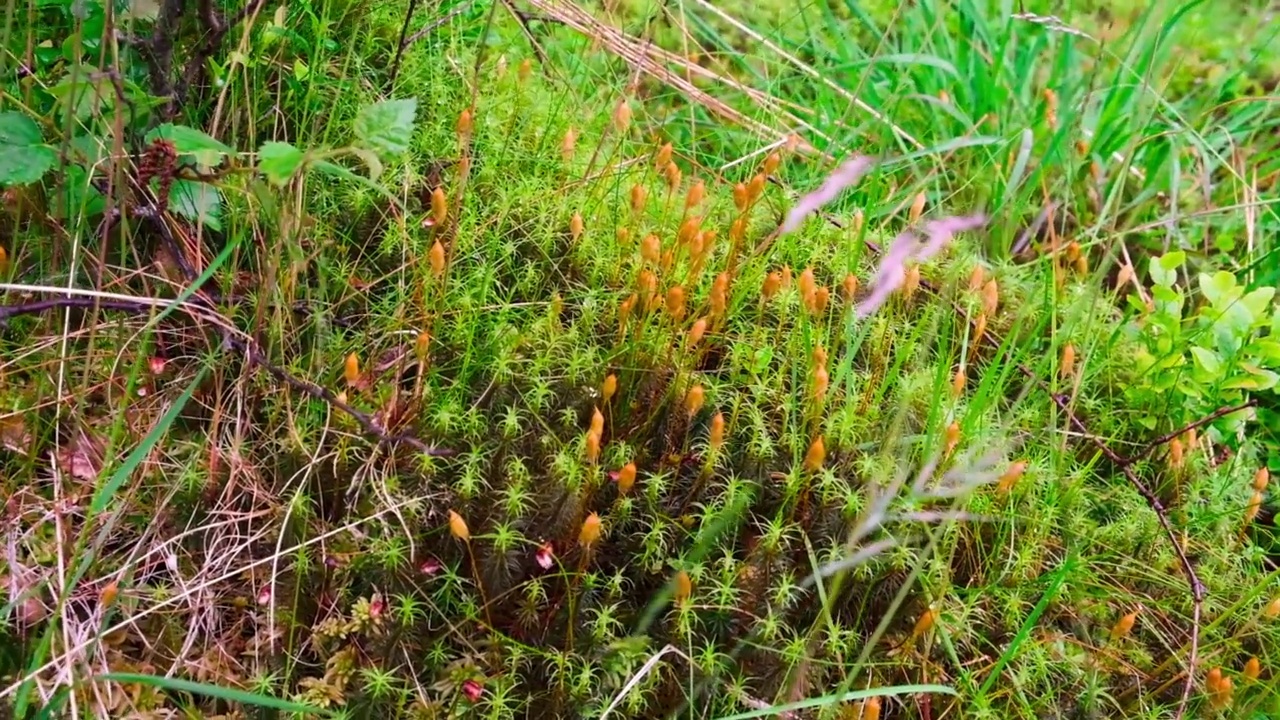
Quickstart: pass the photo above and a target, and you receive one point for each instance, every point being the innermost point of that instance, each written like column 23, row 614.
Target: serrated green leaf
column 387, row 127
column 198, row 202
column 23, row 156
column 278, row 161
column 207, row 150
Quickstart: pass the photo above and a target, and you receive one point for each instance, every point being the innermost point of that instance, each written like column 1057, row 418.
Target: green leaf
column 1207, row 360
column 371, row 160
column 24, row 158
column 197, row 201
column 1254, row 379
column 387, row 127
column 1163, row 269
column 207, row 150
column 214, row 691
column 1258, row 300
column 850, row 696
column 1218, row 288
column 279, row 161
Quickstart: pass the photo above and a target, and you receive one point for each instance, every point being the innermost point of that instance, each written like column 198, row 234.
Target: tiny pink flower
column 430, row 566
column 546, row 555
column 264, row 595
column 472, row 690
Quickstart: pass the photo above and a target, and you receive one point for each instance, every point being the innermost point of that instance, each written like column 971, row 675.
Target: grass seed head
column 1081, row 265
column 593, row 447
column 816, row 455
column 715, row 434
column 924, row 623
column 696, row 332
column 623, row 236
column 626, row 478
column 609, row 388
column 639, row 196
column 718, row 298
column 500, row 69
column 917, row 208
column 622, row 116
column 651, row 249
column 771, row 163
column 911, row 281
column 808, row 287
column 694, row 399
column 849, row 287
column 597, row 421
column 624, row 312
column 786, row 277
column 525, row 70
column 1175, row 454
column 1051, row 108
column 772, row 284
column 977, row 278
column 683, row 586
column 107, row 596
column 990, row 297
column 1068, row 365
column 663, row 157
column 569, row 144
column 1252, row 669
column 1071, row 251
column 693, row 198
column 821, row 298
column 958, row 382
column 423, row 346
column 436, row 256
column 458, row 527
column 951, row 437
column 439, row 207
column 1221, row 696
column 740, row 197
column 1260, row 479
column 980, row 326
column 351, row 370
column 590, row 531
column 673, row 176
column 575, row 226
column 1123, row 626
column 688, row 230
column 755, row 188
column 675, row 302
column 821, row 381
column 819, row 356
column 858, row 222
column 464, row 125
column 1011, row 476
column 870, row 709
column 1251, row 510
column 1272, row 610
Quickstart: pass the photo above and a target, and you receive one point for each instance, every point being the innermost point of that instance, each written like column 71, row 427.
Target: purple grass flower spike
column 849, row 173
column 907, row 247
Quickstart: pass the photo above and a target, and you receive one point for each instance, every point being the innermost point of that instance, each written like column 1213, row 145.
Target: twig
column 1197, row 588
column 252, row 353
column 430, row 28
column 1163, row 439
column 400, row 45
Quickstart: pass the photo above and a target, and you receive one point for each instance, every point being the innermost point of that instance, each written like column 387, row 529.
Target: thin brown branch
column 1164, row 439
column 252, row 354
